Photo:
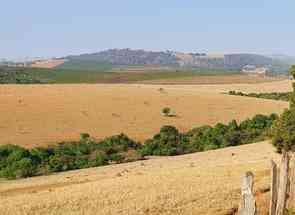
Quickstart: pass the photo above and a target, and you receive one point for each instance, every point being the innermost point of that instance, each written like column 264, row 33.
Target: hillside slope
column 201, row 183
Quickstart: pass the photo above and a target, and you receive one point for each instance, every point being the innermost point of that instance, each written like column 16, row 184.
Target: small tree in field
column 284, row 128
column 166, row 111
column 84, row 136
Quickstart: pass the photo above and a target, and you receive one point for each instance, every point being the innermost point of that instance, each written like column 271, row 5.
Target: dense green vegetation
column 283, row 131
column 18, row 162
column 274, row 95
column 85, row 66
column 16, row 75
column 171, row 142
column 102, row 74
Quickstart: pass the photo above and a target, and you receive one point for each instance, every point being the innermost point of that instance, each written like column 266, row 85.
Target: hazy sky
column 62, row 27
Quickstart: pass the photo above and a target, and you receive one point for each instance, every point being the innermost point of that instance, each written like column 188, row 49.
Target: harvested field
column 263, row 87
column 35, row 115
column 214, row 79
column 201, row 183
column 48, row 64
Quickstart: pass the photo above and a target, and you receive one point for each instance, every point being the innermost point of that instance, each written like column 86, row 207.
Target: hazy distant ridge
column 169, row 58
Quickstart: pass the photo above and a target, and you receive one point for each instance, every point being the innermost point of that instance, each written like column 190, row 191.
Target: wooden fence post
column 283, row 185
column 248, row 204
column 291, row 197
column 273, row 188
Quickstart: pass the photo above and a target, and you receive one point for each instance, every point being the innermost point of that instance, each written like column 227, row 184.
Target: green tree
column 292, row 96
column 84, row 136
column 283, row 130
column 166, row 111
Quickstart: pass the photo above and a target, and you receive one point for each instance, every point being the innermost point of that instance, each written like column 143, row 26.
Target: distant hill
column 290, row 60
column 125, row 57
column 282, row 63
column 128, row 57
column 167, row 58
column 238, row 61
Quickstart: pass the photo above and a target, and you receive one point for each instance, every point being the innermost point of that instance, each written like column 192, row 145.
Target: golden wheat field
column 34, row 115
column 201, row 183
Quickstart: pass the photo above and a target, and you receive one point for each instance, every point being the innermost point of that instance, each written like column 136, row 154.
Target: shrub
column 41, row 155
column 118, row 143
column 19, row 169
column 168, row 142
column 99, row 160
column 166, row 111
column 25, row 168
column 57, row 164
column 84, row 136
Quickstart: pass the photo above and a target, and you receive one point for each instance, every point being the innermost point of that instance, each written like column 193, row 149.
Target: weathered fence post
column 273, row 188
column 283, row 185
column 248, row 204
column 291, row 197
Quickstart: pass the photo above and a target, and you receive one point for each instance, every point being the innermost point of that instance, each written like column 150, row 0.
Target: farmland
column 47, row 64
column 103, row 73
column 147, row 108
column 34, row 115
column 202, row 183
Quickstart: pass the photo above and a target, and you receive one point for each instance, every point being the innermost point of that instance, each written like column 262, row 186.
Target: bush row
column 285, row 96
column 171, row 142
column 18, row 162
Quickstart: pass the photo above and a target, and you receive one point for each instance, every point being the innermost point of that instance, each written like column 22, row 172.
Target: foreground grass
column 18, row 162
column 206, row 183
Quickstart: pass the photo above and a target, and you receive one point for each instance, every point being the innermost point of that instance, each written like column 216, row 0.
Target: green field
column 85, row 66
column 102, row 74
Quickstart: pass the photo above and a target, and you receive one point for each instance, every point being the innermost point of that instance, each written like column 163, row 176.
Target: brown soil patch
column 47, row 64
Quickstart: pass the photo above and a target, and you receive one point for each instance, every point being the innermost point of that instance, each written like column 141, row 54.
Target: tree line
column 283, row 96
column 19, row 162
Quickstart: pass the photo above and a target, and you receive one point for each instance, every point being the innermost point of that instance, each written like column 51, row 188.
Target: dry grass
column 48, row 64
column 34, row 115
column 215, row 80
column 201, row 183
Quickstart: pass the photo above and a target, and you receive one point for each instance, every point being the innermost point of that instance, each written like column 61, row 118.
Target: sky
column 47, row 28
